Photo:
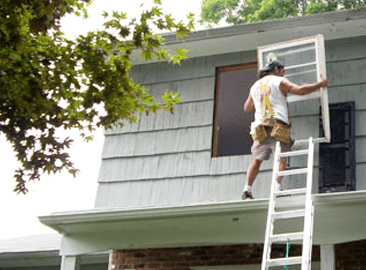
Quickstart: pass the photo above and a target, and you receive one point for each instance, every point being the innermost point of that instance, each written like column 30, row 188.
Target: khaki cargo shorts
column 263, row 150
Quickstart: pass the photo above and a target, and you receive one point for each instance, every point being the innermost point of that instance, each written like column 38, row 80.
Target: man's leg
column 282, row 167
column 283, row 164
column 252, row 173
column 260, row 151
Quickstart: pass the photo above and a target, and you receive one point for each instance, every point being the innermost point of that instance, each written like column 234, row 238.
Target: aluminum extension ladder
column 306, row 212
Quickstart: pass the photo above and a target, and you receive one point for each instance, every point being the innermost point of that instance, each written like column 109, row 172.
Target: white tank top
column 276, row 98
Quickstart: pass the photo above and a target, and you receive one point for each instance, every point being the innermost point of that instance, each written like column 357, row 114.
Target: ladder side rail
column 306, row 260
column 269, row 228
column 311, row 236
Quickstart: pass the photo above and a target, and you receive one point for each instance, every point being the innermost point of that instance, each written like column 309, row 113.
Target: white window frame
column 318, row 42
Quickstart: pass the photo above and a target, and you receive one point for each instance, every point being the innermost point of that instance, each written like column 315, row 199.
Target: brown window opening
column 231, row 132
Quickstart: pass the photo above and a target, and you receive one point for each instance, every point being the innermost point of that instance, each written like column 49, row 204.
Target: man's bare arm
column 249, row 105
column 289, row 87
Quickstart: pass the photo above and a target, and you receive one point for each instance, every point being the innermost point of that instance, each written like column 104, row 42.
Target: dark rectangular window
column 337, row 160
column 231, row 134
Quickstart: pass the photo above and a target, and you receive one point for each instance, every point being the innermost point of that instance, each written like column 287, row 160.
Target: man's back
column 269, row 86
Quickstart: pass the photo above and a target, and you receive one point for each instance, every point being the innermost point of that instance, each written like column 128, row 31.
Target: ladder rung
column 283, row 238
column 294, row 153
column 297, row 191
column 292, row 172
column 289, row 214
column 302, row 141
column 284, row 261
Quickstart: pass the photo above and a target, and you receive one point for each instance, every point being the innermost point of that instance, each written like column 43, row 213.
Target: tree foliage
column 49, row 83
column 247, row 11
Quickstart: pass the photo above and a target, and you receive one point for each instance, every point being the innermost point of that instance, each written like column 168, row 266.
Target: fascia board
column 56, row 220
column 339, row 198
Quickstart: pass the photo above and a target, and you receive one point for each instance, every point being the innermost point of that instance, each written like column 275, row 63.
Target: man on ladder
column 271, row 121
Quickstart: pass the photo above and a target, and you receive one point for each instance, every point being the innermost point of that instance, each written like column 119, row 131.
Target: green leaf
column 179, row 56
column 236, row 11
column 50, row 83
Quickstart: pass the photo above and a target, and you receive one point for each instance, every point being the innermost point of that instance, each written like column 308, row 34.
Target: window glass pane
column 232, row 125
column 294, row 55
column 299, row 61
column 304, row 61
column 302, row 74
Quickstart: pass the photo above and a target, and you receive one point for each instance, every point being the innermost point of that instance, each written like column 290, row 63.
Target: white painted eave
column 246, row 37
column 121, row 214
column 339, row 217
column 67, row 223
column 113, row 214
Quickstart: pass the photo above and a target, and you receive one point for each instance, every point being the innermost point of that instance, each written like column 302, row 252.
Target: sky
column 62, row 192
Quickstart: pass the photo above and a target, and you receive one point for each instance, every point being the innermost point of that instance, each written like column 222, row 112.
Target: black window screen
column 337, row 161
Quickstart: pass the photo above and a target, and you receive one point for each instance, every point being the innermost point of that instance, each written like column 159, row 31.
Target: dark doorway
column 231, row 125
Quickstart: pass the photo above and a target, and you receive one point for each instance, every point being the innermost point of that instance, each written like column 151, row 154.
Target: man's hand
column 323, row 82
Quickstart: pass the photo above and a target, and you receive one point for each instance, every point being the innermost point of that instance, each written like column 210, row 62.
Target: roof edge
column 248, row 36
column 119, row 214
column 268, row 25
column 113, row 214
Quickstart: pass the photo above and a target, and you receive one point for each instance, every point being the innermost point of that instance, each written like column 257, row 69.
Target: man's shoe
column 247, row 195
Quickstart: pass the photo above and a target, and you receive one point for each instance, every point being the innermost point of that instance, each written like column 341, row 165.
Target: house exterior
column 41, row 252
column 169, row 194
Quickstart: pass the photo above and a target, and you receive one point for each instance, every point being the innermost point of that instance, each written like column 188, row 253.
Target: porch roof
column 339, row 217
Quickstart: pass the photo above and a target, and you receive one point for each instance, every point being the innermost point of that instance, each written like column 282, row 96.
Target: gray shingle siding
column 165, row 159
